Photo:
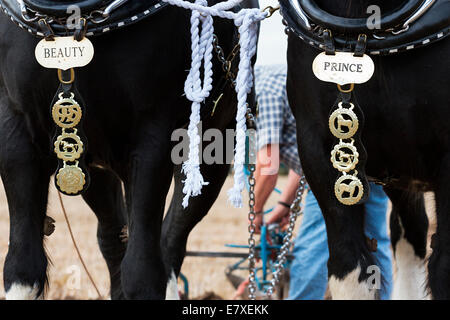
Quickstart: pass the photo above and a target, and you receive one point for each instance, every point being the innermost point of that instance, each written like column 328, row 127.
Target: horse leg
column 439, row 263
column 25, row 174
column 179, row 222
column 350, row 261
column 105, row 197
column 146, row 186
column 409, row 227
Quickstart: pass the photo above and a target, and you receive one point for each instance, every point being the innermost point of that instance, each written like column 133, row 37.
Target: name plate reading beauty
column 343, row 68
column 64, row 53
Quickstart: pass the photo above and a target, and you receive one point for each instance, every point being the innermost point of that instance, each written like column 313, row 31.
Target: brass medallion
column 343, row 122
column 349, row 189
column 68, row 146
column 344, row 156
column 71, row 179
column 66, row 112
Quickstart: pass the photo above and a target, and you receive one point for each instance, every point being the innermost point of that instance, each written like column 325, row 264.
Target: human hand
column 258, row 222
column 280, row 215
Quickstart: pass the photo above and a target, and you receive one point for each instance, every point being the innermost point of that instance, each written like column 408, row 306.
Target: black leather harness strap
column 329, row 43
column 361, row 45
column 46, row 30
column 80, row 33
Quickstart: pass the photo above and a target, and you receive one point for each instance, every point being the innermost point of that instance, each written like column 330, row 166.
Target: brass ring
column 72, row 77
column 352, row 86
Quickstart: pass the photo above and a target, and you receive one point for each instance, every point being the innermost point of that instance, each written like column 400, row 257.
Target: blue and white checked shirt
column 275, row 122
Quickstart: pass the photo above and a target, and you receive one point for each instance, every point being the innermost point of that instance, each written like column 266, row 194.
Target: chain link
column 227, row 62
column 295, row 208
column 282, row 256
column 251, row 230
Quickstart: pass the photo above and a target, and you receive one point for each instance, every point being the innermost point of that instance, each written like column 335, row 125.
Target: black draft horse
column 407, row 137
column 133, row 91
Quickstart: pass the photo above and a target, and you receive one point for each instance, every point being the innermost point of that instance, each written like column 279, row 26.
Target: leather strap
column 80, row 33
column 329, row 43
column 46, row 30
column 361, row 45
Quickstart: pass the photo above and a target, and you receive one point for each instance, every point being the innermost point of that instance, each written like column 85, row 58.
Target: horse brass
column 71, row 179
column 343, row 123
column 66, row 113
column 349, row 189
column 68, row 146
column 344, row 156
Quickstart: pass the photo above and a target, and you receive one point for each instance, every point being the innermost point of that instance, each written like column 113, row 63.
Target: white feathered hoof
column 19, row 291
column 349, row 287
column 410, row 280
column 172, row 288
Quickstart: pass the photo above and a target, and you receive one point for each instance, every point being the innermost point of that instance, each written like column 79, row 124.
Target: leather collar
column 59, row 8
column 432, row 26
column 129, row 13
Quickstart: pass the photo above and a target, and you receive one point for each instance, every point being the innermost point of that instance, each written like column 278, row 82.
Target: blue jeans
column 309, row 274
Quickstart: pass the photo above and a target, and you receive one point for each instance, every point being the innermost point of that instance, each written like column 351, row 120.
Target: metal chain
column 295, row 208
column 230, row 76
column 226, row 62
column 251, row 230
column 282, row 256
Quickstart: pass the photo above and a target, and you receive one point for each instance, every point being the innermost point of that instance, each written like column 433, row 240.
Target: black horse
column 406, row 135
column 133, row 90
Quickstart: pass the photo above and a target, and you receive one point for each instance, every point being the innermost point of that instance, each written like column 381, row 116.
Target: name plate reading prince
column 64, row 53
column 343, row 68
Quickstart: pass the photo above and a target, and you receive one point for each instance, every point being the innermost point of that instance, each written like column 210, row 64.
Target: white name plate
column 343, row 68
column 64, row 53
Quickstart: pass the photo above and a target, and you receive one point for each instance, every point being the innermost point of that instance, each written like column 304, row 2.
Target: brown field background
column 68, row 280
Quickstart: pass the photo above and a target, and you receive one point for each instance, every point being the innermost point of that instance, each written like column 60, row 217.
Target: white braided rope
column 202, row 46
column 248, row 31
